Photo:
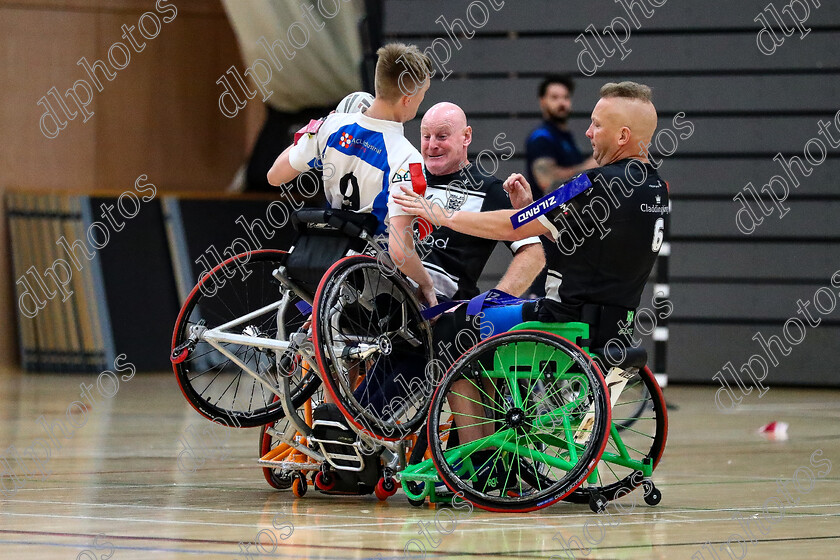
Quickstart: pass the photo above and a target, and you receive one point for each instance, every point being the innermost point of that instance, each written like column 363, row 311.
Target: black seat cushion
column 624, row 358
column 324, row 236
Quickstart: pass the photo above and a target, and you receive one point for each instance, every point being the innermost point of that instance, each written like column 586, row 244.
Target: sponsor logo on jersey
column 456, row 200
column 438, row 242
column 348, row 141
column 401, row 175
column 658, row 209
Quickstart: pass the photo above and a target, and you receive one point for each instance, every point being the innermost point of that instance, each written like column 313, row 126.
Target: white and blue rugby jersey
column 371, row 159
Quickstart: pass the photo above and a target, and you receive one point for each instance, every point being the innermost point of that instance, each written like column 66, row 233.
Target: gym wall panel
column 209, row 227
column 698, row 351
column 744, row 261
column 42, row 48
column 401, row 17
column 692, row 95
column 186, row 142
column 686, row 53
column 746, row 302
column 807, row 219
column 701, row 58
column 159, row 116
column 748, row 135
column 139, row 287
column 716, row 177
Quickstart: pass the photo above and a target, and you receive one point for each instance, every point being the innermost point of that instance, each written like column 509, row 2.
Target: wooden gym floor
column 116, row 475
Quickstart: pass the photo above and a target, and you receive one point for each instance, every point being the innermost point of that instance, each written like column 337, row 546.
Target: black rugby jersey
column 607, row 239
column 455, row 261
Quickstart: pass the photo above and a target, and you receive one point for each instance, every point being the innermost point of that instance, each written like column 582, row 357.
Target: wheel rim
column 547, row 421
column 212, row 382
column 373, row 346
column 640, row 433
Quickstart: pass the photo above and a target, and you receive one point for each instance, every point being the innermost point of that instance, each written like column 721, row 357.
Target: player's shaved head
column 445, row 112
column 623, row 118
column 444, row 138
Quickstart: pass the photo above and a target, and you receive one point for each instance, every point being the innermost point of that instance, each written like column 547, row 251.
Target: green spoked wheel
column 530, row 418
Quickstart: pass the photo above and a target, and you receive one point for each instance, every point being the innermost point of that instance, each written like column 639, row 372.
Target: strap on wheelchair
column 484, row 300
column 345, row 221
column 491, row 298
column 316, row 249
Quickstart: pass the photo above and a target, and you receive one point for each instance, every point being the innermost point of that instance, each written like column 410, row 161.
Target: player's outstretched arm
column 282, row 171
column 526, row 265
column 401, row 249
column 489, row 225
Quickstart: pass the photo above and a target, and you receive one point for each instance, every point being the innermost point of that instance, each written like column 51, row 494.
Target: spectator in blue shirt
column 553, row 155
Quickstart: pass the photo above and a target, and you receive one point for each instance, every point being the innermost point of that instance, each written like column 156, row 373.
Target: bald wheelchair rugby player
column 607, row 223
column 361, row 151
column 454, row 260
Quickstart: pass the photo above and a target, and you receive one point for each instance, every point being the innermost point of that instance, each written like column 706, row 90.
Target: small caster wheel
column 324, row 482
column 416, row 488
column 299, row 485
column 652, row 494
column 280, row 481
column 597, row 502
column 385, row 488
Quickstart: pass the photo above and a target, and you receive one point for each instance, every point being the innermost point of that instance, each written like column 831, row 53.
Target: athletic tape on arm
column 552, row 200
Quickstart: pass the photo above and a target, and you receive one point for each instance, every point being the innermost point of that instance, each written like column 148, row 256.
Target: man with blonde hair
column 365, row 156
column 607, row 224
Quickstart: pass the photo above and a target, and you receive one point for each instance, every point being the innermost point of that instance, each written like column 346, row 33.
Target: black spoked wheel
column 373, row 347
column 640, row 438
column 528, row 416
column 213, row 382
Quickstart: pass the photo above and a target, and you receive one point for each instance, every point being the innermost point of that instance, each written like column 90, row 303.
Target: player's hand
column 518, row 190
column 416, row 205
column 427, row 295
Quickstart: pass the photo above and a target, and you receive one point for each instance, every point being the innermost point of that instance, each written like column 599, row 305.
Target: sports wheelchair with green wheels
column 526, row 418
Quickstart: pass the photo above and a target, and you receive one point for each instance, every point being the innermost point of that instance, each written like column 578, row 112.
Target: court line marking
column 345, row 528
